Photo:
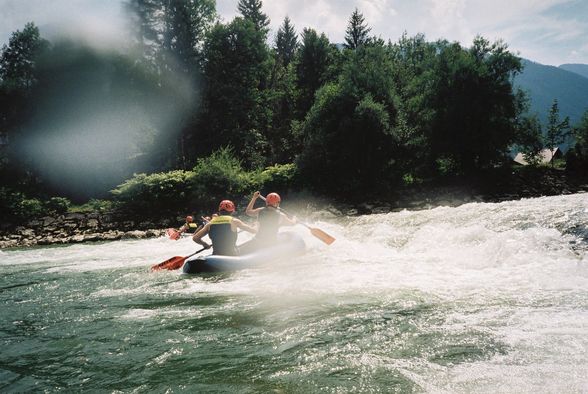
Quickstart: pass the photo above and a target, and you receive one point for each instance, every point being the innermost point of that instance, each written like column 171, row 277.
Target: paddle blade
column 320, row 234
column 173, row 263
column 172, row 233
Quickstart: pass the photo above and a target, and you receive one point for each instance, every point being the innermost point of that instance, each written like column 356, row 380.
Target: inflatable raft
column 288, row 245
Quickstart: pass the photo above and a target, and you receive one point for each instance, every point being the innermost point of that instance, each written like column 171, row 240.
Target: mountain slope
column 580, row 69
column 544, row 83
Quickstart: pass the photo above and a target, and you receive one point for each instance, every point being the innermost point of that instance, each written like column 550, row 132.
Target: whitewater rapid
column 484, row 297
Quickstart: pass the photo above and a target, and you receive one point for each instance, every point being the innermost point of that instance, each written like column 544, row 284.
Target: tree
column 349, row 136
column 357, row 31
column 170, row 36
column 251, row 10
column 170, row 33
column 557, row 131
column 581, row 135
column 475, row 106
column 18, row 58
column 282, row 95
column 143, row 16
column 413, row 60
column 286, row 43
column 313, row 62
column 577, row 157
column 18, row 77
column 185, row 25
column 236, row 69
column 530, row 138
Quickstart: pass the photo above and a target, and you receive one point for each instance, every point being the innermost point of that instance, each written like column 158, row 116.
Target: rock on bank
column 77, row 228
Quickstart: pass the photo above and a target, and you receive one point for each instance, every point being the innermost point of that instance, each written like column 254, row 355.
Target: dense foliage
column 203, row 109
column 214, row 178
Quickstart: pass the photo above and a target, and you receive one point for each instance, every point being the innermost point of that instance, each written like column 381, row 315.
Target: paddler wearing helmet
column 222, row 230
column 190, row 227
column 269, row 220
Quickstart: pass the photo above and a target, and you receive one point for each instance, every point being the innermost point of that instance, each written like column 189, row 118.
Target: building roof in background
column 545, row 156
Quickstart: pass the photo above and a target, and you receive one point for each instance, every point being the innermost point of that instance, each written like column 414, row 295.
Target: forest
column 189, row 109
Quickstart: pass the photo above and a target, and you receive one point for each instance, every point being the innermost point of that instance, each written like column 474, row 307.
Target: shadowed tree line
column 367, row 115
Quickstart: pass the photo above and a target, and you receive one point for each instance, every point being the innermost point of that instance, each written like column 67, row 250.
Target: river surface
column 482, row 298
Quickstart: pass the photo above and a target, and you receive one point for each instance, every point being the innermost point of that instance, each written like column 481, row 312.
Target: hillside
column 546, row 83
column 580, row 69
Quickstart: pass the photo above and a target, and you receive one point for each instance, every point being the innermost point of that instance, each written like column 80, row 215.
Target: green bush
column 94, row 205
column 154, row 193
column 214, row 178
column 31, row 208
column 217, row 177
column 280, row 178
column 447, row 166
column 410, row 179
column 16, row 207
column 58, row 205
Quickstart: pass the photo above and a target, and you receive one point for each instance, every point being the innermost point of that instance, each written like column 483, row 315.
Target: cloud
column 546, row 31
column 543, row 30
column 98, row 22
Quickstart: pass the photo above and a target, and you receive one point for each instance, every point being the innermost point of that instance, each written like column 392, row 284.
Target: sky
column 550, row 32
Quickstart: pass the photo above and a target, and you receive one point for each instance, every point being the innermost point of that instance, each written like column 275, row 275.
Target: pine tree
column 557, row 131
column 312, row 67
column 236, row 70
column 170, row 33
column 286, row 42
column 251, row 10
column 357, row 31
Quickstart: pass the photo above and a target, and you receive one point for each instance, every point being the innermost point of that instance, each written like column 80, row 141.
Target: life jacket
column 222, row 236
column 192, row 227
column 269, row 222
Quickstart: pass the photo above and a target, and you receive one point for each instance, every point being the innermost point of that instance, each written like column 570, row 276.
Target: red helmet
column 273, row 199
column 226, row 205
column 189, row 219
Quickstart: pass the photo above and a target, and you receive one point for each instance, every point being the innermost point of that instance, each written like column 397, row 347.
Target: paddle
column 172, row 233
column 317, row 232
column 174, row 263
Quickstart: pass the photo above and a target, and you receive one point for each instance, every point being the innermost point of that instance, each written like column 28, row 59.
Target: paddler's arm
column 243, row 226
column 285, row 220
column 201, row 233
column 184, row 228
column 250, row 211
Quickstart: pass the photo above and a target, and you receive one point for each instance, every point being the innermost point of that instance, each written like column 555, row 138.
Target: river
column 481, row 298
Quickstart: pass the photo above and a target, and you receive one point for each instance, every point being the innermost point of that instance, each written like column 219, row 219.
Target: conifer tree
column 312, row 66
column 357, row 31
column 557, row 131
column 286, row 42
column 251, row 10
column 236, row 72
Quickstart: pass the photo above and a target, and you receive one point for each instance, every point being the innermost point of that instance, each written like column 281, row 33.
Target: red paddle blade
column 173, row 263
column 172, row 233
column 320, row 234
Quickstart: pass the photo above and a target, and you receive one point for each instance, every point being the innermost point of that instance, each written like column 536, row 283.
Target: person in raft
column 222, row 230
column 189, row 227
column 269, row 220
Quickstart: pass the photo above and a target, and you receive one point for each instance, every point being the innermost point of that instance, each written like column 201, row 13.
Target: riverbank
column 496, row 187
column 73, row 228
